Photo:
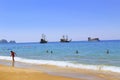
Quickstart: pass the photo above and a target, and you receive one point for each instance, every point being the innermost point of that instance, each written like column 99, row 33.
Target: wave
column 65, row 64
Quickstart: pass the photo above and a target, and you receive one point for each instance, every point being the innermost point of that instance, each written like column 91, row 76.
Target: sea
column 103, row 55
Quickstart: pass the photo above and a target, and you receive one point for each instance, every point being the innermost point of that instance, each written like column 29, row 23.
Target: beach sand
column 11, row 73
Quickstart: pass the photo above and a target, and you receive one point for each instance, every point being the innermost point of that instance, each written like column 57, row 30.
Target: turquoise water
column 90, row 54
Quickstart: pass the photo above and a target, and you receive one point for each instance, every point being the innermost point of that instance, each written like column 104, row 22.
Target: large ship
column 65, row 39
column 43, row 39
column 93, row 39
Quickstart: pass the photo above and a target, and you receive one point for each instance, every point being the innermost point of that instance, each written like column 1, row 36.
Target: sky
column 27, row 20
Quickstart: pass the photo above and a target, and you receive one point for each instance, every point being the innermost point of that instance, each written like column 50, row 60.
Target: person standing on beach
column 12, row 54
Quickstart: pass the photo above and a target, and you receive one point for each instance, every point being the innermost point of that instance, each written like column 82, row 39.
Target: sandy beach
column 11, row 73
column 47, row 72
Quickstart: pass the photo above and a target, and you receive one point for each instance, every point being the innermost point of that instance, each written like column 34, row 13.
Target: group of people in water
column 48, row 51
column 52, row 51
column 107, row 51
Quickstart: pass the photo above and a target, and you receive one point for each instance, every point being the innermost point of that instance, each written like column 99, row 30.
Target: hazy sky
column 26, row 20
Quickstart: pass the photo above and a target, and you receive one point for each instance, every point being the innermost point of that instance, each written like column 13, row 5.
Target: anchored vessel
column 43, row 39
column 93, row 39
column 65, row 39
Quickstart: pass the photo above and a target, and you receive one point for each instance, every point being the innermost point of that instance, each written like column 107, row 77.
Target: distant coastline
column 5, row 41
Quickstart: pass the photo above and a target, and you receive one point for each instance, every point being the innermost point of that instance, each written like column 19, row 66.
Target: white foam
column 65, row 64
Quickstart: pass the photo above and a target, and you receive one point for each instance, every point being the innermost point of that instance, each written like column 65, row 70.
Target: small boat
column 43, row 39
column 65, row 39
column 93, row 39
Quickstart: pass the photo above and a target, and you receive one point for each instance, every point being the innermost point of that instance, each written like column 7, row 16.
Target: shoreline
column 83, row 74
column 96, row 67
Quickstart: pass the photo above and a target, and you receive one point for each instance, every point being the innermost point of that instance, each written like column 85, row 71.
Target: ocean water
column 91, row 55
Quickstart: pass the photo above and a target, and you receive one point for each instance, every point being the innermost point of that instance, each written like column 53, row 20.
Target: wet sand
column 22, row 71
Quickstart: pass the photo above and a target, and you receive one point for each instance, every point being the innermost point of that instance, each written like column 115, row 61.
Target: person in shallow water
column 77, row 52
column 12, row 54
column 51, row 52
column 47, row 51
column 107, row 51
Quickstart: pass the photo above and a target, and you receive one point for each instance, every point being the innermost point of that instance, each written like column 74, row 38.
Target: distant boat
column 65, row 39
column 43, row 39
column 93, row 39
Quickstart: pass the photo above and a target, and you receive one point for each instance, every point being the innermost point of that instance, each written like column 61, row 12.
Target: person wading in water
column 12, row 54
